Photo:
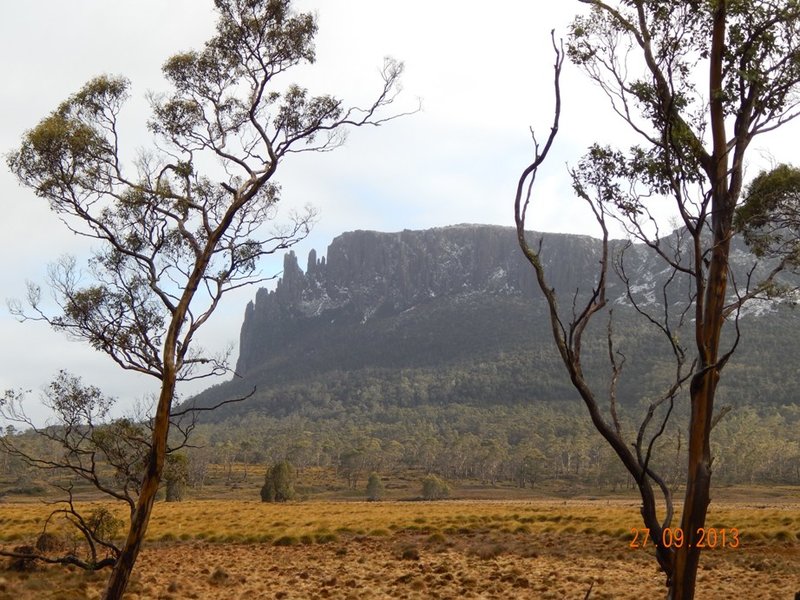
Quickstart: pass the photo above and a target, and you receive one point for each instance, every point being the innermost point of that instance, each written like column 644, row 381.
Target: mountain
column 376, row 289
column 454, row 314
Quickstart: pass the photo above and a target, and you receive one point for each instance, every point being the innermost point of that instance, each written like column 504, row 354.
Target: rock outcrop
column 370, row 275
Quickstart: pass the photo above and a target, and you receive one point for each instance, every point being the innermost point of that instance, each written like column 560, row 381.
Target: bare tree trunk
column 703, row 392
column 118, row 581
column 708, row 328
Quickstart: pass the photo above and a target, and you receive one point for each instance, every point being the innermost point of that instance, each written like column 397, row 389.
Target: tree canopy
column 174, row 233
column 696, row 82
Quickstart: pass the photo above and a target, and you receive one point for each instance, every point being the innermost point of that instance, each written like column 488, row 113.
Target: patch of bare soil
column 423, row 566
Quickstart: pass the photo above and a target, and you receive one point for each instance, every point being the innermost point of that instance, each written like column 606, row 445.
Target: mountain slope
column 454, row 315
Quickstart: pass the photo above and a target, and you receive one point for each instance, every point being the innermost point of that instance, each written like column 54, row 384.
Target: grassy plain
column 542, row 548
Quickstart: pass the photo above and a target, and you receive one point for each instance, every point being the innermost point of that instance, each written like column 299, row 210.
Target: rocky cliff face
column 370, row 275
column 368, row 281
column 454, row 315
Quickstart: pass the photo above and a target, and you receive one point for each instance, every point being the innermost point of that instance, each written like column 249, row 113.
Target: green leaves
column 601, row 169
column 645, row 55
column 301, row 116
column 279, row 483
column 76, row 403
column 270, row 33
column 769, row 217
column 621, row 180
column 177, row 118
column 762, row 58
column 256, row 39
column 99, row 96
column 196, row 71
column 72, row 151
column 59, row 153
column 83, row 304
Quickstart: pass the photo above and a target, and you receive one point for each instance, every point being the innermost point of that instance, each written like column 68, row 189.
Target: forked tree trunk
column 708, row 326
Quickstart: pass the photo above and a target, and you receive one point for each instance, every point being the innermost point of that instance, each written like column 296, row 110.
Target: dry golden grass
column 251, row 521
column 453, row 549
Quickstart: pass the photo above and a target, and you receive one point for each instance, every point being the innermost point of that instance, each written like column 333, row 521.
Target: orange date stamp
column 706, row 537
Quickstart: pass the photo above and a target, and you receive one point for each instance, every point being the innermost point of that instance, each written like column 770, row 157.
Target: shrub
column 437, row 538
column 379, row 532
column 286, row 540
column 22, row 564
column 219, row 576
column 434, row 488
column 278, row 483
column 487, row 551
column 50, row 542
column 409, row 553
column 375, row 488
column 176, row 474
column 103, row 524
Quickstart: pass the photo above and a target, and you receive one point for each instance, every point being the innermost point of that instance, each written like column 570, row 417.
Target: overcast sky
column 483, row 74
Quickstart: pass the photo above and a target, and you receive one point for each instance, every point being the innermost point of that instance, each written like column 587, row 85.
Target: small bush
column 784, row 536
column 103, row 524
column 26, row 490
column 436, row 538
column 278, row 483
column 176, row 476
column 488, row 551
column 219, row 576
column 434, row 488
column 286, row 540
column 375, row 488
column 522, row 529
column 50, row 542
column 22, row 565
column 345, row 530
column 379, row 532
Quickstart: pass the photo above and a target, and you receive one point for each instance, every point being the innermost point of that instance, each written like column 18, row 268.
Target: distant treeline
column 528, row 445
column 523, row 444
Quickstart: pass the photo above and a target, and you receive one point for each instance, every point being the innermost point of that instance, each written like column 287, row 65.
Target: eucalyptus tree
column 769, row 216
column 187, row 221
column 696, row 81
